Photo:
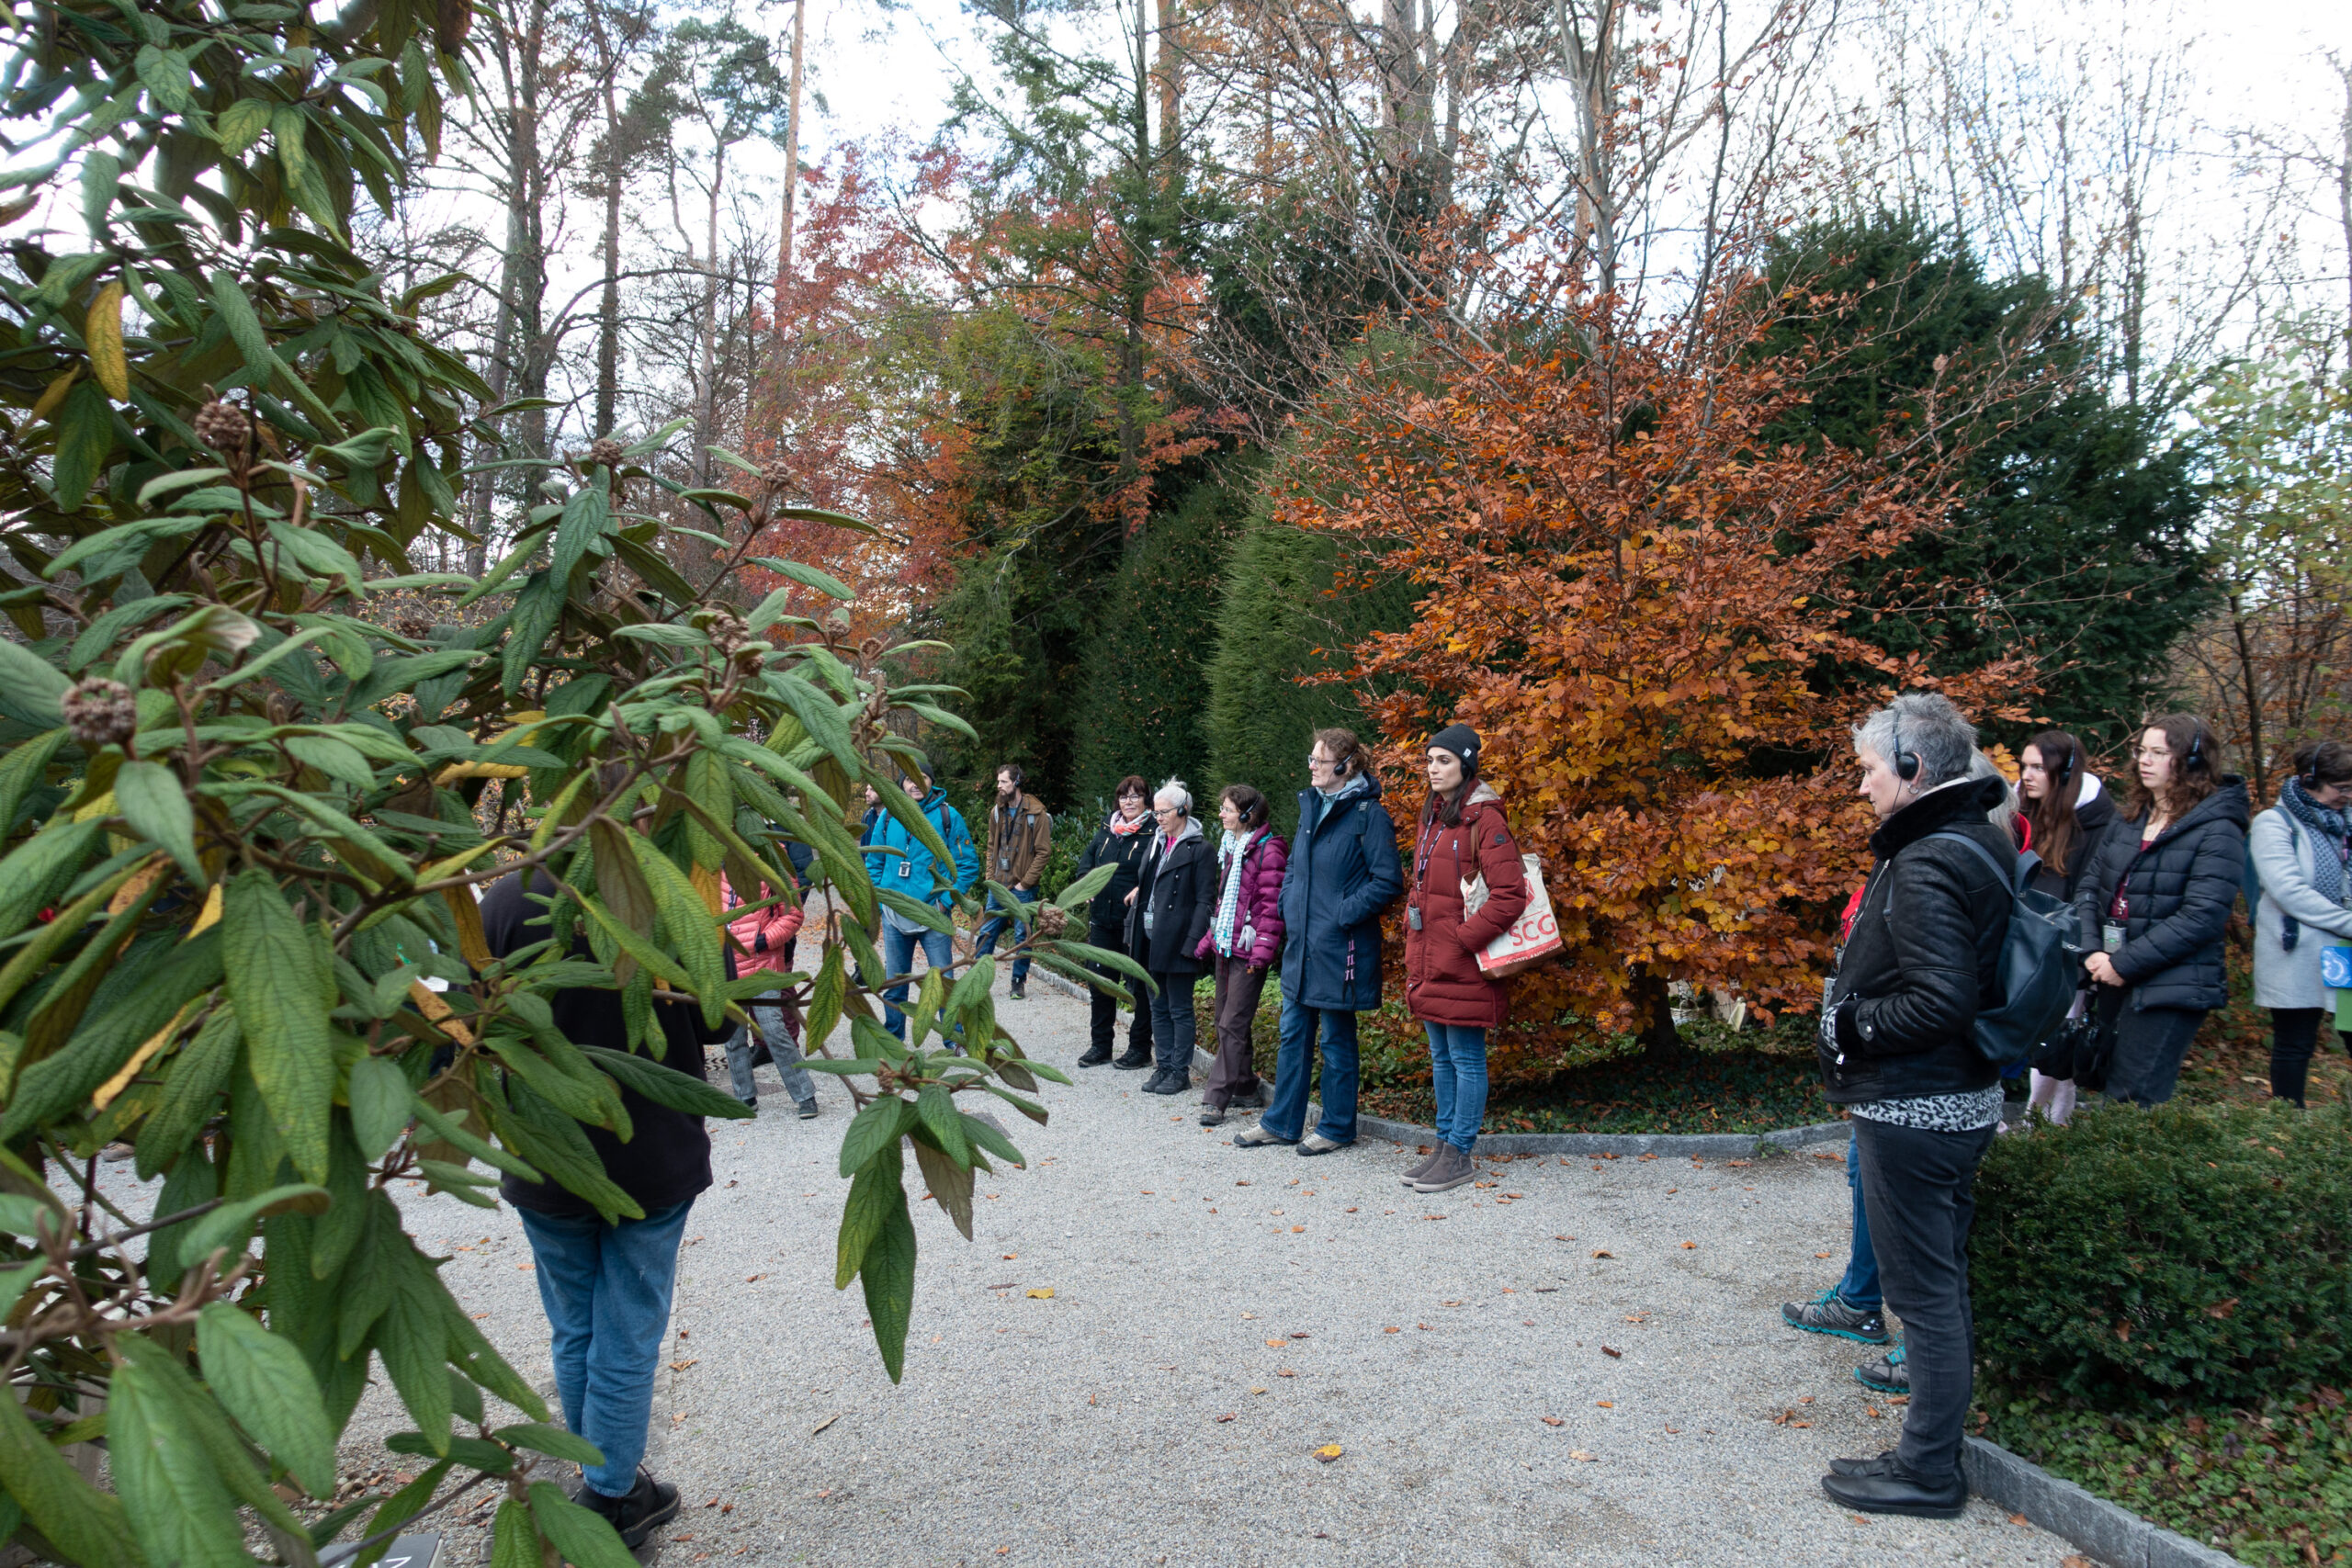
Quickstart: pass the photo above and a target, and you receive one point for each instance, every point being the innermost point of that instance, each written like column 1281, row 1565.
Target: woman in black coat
column 2155, row 902
column 2067, row 814
column 1121, row 842
column 1174, row 900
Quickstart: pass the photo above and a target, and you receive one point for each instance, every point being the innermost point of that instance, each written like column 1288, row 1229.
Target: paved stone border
column 2106, row 1532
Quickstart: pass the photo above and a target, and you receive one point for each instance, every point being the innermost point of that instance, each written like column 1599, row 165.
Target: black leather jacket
column 1922, row 955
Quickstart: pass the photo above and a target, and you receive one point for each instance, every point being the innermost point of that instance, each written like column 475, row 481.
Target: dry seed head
column 99, row 712
column 605, row 450
column 1052, row 922
column 224, row 427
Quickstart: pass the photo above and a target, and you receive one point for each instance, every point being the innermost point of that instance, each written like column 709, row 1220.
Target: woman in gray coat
column 2299, row 848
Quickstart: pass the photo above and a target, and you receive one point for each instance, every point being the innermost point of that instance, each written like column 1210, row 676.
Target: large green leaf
column 88, row 1524
column 263, row 1381
column 171, row 1488
column 156, row 803
column 888, row 1276
column 667, row 1086
column 283, row 993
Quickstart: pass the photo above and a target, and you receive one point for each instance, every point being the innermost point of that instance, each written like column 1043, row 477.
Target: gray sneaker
column 1829, row 1312
column 1449, row 1169
column 1888, row 1374
column 1317, row 1144
column 1257, row 1137
column 1420, row 1168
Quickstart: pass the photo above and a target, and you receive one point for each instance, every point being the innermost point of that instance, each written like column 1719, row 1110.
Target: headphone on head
column 2195, row 758
column 1907, row 764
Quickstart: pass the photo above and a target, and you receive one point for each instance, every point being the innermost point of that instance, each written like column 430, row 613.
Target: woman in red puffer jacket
column 1463, row 836
column 1245, row 936
column 763, row 940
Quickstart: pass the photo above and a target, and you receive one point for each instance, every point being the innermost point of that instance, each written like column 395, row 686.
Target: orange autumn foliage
column 1636, row 599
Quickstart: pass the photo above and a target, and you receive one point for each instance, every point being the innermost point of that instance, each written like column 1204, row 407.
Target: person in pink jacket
column 764, row 939
column 1244, row 937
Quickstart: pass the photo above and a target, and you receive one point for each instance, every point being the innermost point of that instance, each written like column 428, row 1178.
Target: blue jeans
column 782, row 1050
column 606, row 1290
column 1458, row 1074
column 984, row 940
column 1860, row 1287
column 1285, row 1116
column 899, row 956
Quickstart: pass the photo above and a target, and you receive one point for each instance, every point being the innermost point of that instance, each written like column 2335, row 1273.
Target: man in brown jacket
column 1020, row 838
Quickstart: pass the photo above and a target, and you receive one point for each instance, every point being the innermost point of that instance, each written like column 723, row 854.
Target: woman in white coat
column 2299, row 847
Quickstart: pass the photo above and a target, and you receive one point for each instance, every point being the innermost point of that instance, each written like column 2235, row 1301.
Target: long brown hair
column 2055, row 827
column 2196, row 766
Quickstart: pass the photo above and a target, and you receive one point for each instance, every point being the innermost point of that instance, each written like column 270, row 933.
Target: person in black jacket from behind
column 2068, row 812
column 1174, row 900
column 1897, row 1045
column 1121, row 842
column 2156, row 902
column 606, row 1288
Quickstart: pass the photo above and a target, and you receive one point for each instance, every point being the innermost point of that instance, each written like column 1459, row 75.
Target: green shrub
column 2197, row 1250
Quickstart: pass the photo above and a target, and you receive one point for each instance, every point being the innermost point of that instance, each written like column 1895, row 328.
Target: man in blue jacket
column 897, row 861
column 1342, row 873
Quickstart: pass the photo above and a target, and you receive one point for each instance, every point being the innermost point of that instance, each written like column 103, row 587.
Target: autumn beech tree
column 1637, row 602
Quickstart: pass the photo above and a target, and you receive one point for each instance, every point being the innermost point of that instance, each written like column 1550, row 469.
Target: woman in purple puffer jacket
column 1244, row 937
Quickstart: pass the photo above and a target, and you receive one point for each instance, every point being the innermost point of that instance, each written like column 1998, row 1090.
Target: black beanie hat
column 1459, row 740
column 915, row 767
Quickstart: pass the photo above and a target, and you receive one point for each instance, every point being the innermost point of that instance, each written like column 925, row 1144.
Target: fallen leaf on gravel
column 1420, row 1326
column 525, row 1268
column 1257, row 1390
column 1736, row 1162
column 1296, row 1229
column 2075, row 1562
column 1805, row 1399
column 681, row 1365
column 687, row 1537
column 1548, row 1421
column 1873, row 1411
column 1227, row 1416
column 1579, row 1453
column 1350, row 1211
column 1433, row 1216
column 822, row 1424
column 1675, row 1430
column 1148, row 1192
column 1546, row 1290
column 1689, row 1246
column 712, row 1504
column 1821, row 1254
column 1241, row 1184
column 1527, row 1323
column 1449, row 1303
column 1606, row 1404
column 754, row 1279
column 1298, row 1333
column 1285, row 1372
column 1392, row 1330
column 1042, row 1293
column 1329, row 1452
column 1602, row 1252
column 2062, row 1563
column 1011, row 1256
column 1613, row 1352
column 1275, row 1344
column 2019, row 1519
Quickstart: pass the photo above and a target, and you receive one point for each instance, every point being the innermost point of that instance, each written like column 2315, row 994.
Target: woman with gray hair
column 1168, row 913
column 1898, row 1050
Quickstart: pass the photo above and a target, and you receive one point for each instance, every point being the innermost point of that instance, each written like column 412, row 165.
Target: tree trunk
column 608, row 307
column 707, row 393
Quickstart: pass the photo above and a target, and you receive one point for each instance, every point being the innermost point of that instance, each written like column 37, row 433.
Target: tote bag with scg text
column 1529, row 939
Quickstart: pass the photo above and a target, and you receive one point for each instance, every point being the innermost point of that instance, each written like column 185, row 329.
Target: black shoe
column 1169, row 1081
column 750, row 1100
column 1095, row 1056
column 1878, row 1466
column 1135, row 1059
column 808, row 1108
column 650, row 1504
column 1896, row 1491
column 1018, row 995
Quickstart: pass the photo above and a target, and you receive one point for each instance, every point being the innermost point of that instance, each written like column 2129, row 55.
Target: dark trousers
column 1172, row 1028
column 2294, row 1036
column 1233, row 1077
column 1104, row 1017
column 2149, row 1045
column 1919, row 1188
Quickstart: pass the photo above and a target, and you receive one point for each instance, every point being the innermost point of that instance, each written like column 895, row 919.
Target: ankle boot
column 1448, row 1170
column 1420, row 1168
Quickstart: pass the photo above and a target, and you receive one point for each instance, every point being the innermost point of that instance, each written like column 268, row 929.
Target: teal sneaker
column 1829, row 1312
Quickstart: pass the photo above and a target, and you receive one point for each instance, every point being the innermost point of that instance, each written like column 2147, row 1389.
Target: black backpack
column 2041, row 965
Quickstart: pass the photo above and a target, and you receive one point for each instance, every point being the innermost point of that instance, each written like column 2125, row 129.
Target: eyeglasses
column 1315, row 761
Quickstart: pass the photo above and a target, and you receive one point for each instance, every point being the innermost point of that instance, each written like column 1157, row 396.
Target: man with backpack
column 1900, row 1049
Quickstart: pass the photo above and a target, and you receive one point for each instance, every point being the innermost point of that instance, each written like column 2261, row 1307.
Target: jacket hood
column 1190, row 829
column 1963, row 801
column 1363, row 783
column 2095, row 810
column 936, row 797
column 2226, row 804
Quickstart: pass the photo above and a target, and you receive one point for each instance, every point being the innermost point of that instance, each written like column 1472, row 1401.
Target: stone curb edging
column 2106, row 1532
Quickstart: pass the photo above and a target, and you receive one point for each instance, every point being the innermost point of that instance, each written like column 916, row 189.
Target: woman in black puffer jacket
column 2155, row 903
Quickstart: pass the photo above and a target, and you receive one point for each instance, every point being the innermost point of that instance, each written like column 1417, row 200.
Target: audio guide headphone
column 1907, row 764
column 2196, row 757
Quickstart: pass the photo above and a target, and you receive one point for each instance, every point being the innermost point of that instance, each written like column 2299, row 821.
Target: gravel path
column 1219, row 1313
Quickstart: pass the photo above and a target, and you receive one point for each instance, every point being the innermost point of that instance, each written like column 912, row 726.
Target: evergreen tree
column 1147, row 663
column 2074, row 538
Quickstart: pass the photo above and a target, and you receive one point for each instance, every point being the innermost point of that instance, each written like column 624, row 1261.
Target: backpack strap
column 2016, row 880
